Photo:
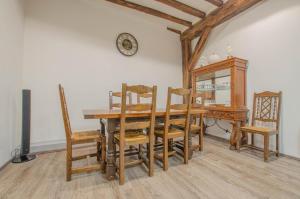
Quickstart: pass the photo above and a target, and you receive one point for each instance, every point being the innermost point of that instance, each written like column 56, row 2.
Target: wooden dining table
column 113, row 119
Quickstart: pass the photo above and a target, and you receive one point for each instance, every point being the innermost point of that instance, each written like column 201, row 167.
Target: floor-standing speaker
column 24, row 156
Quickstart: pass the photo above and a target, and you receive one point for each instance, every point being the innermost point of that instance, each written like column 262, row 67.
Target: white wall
column 73, row 42
column 268, row 36
column 11, row 50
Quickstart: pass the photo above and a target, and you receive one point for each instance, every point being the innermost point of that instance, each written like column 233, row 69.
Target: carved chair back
column 266, row 108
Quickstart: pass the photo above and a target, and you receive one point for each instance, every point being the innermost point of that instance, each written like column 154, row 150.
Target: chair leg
column 201, row 137
column 69, row 162
column 148, row 150
column 170, row 145
column 151, row 158
column 140, row 151
column 266, row 147
column 277, row 145
column 186, row 149
column 201, row 140
column 165, row 153
column 121, row 163
column 98, row 151
column 103, row 154
column 252, row 139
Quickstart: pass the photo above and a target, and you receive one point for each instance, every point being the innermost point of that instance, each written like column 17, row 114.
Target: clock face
column 127, row 44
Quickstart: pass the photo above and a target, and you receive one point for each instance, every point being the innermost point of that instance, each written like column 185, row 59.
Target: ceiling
column 198, row 4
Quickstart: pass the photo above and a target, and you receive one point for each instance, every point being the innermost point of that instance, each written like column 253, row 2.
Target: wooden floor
column 215, row 173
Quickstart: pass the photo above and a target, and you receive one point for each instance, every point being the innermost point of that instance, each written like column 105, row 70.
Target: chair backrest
column 266, row 108
column 142, row 107
column 185, row 106
column 117, row 95
column 195, row 100
column 141, row 97
column 65, row 114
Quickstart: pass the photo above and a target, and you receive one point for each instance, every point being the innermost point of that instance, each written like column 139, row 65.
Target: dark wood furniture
column 82, row 137
column 266, row 111
column 221, row 89
column 169, row 132
column 113, row 120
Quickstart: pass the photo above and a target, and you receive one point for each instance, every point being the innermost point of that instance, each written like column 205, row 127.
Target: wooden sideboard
column 221, row 88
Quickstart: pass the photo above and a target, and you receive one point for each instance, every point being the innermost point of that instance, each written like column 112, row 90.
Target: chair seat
column 86, row 137
column 172, row 133
column 258, row 130
column 194, row 128
column 133, row 137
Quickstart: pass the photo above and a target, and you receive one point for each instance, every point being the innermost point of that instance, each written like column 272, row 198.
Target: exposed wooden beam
column 174, row 30
column 229, row 9
column 151, row 11
column 199, row 47
column 183, row 7
column 218, row 3
column 186, row 47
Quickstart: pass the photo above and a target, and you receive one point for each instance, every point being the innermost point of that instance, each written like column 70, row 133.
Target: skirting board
column 226, row 141
column 5, row 164
column 47, row 146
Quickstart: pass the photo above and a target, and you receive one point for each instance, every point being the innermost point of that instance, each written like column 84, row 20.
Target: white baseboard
column 47, row 146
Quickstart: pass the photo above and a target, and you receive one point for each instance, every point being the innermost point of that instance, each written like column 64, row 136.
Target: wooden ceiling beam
column 174, row 30
column 151, row 11
column 183, row 7
column 229, row 9
column 218, row 3
column 199, row 48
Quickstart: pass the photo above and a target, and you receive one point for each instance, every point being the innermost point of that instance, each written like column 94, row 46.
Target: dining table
column 113, row 119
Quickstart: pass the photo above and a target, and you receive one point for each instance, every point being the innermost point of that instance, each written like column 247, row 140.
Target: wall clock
column 127, row 44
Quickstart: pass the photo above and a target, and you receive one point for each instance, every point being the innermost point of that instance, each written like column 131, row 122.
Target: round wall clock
column 127, row 44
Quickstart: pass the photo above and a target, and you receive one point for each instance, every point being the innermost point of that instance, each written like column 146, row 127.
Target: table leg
column 103, row 155
column 110, row 165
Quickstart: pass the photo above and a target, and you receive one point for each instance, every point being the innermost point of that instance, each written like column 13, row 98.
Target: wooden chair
column 266, row 110
column 117, row 95
column 142, row 97
column 196, row 126
column 82, row 137
column 170, row 131
column 131, row 131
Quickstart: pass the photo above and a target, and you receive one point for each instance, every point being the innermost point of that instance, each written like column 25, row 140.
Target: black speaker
column 23, row 155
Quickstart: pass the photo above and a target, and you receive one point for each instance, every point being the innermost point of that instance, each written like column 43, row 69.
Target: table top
column 114, row 114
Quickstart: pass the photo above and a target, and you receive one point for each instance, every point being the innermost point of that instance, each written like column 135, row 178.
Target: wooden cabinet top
column 228, row 63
